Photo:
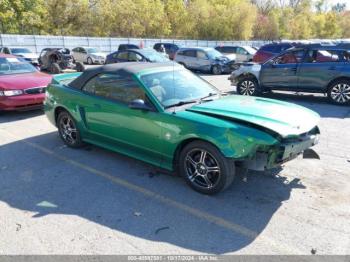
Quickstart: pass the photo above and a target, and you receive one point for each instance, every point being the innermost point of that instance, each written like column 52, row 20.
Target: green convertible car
column 163, row 114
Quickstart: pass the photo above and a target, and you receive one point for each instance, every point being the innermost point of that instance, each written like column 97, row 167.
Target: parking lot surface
column 57, row 200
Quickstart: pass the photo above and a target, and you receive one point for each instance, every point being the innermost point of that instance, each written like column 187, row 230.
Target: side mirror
column 139, row 104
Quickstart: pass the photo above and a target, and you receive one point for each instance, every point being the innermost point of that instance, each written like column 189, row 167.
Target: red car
column 22, row 86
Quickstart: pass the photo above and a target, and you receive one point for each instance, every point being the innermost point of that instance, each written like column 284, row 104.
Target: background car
column 170, row 48
column 167, row 116
column 25, row 53
column 55, row 60
column 267, row 51
column 240, row 53
column 22, row 86
column 127, row 46
column 203, row 59
column 136, row 55
column 89, row 55
column 312, row 68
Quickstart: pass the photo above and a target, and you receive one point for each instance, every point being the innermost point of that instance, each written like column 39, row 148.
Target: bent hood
column 286, row 119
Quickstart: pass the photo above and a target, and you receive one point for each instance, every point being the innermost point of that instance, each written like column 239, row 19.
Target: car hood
column 23, row 81
column 286, row 119
column 98, row 54
column 27, row 55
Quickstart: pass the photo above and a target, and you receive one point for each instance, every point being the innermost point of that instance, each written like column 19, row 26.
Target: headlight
column 11, row 92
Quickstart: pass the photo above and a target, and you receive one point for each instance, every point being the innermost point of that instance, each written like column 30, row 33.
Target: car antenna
column 174, row 111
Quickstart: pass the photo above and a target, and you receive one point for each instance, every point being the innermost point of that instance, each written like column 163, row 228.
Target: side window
column 118, row 87
column 241, row 51
column 7, row 50
column 190, row 53
column 287, row 58
column 123, row 55
column 219, row 48
column 134, row 57
column 201, row 55
column 230, row 49
column 323, row 56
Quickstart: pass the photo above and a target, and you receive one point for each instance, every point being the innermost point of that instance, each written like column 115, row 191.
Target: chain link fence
column 106, row 44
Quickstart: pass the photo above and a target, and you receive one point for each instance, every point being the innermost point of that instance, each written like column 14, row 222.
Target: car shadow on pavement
column 44, row 181
column 10, row 116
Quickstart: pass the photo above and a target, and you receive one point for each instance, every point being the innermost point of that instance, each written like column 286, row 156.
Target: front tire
column 216, row 70
column 248, row 87
column 339, row 92
column 89, row 61
column 68, row 130
column 205, row 168
column 55, row 68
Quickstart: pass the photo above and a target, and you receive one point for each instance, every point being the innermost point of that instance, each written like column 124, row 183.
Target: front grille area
column 35, row 90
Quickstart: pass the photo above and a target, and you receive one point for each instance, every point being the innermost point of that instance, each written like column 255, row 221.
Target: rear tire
column 205, row 168
column 68, row 130
column 339, row 92
column 248, row 87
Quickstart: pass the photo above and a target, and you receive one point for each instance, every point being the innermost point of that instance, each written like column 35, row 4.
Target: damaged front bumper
column 286, row 150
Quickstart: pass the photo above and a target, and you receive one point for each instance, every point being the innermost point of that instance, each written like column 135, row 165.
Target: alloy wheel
column 340, row 93
column 202, row 168
column 68, row 130
column 247, row 88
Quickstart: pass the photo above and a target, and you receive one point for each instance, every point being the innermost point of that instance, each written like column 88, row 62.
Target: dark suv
column 311, row 68
column 267, row 51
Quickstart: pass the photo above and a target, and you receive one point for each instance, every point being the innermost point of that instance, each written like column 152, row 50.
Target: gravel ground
column 56, row 200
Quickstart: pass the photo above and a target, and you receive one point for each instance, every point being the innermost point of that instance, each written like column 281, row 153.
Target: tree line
column 186, row 19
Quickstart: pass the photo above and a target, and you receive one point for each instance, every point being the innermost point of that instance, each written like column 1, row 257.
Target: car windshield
column 11, row 65
column 20, row 50
column 154, row 56
column 250, row 50
column 92, row 50
column 212, row 53
column 178, row 86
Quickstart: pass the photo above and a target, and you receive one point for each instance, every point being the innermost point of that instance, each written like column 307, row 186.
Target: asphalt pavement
column 57, row 200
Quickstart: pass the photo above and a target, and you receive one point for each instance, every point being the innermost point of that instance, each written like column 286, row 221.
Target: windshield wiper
column 209, row 95
column 181, row 103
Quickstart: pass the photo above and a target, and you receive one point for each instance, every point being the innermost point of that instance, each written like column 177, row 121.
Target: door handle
column 97, row 106
column 294, row 69
column 332, row 68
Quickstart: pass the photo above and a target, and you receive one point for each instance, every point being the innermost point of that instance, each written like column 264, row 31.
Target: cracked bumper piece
column 286, row 151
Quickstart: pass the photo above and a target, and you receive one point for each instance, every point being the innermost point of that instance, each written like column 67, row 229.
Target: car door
column 319, row 68
column 202, row 60
column 282, row 71
column 189, row 58
column 109, row 119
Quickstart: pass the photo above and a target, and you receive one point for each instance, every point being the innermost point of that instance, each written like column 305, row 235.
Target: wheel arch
column 246, row 76
column 58, row 110
column 184, row 143
column 338, row 78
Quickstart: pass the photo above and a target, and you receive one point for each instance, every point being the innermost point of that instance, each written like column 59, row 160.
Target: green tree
column 22, row 16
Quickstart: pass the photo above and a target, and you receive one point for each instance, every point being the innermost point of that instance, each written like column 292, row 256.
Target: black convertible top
column 128, row 68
